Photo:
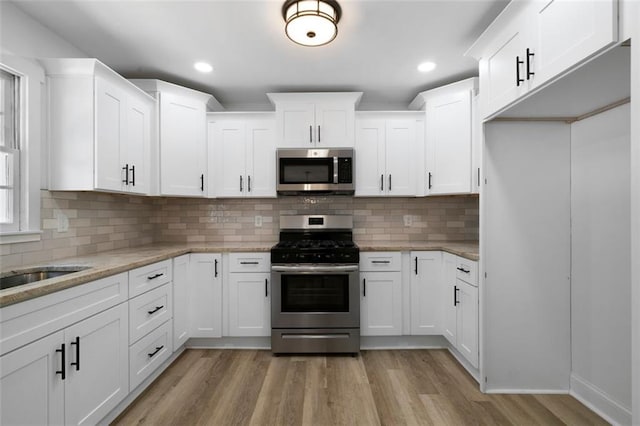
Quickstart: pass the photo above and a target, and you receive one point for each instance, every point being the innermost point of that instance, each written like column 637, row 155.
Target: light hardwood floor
column 412, row 387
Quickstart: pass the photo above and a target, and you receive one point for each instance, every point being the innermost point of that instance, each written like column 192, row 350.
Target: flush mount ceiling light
column 311, row 22
column 203, row 67
column 426, row 66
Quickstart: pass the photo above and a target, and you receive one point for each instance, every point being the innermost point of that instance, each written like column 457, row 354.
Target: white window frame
column 31, row 128
column 13, row 166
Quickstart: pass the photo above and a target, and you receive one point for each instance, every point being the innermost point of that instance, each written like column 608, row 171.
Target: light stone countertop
column 108, row 263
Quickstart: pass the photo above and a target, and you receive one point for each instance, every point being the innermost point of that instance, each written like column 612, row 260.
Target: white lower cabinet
column 426, row 305
column 74, row 376
column 460, row 303
column 149, row 353
column 32, row 392
column 180, row 300
column 381, row 304
column 97, row 366
column 249, row 304
column 205, row 295
column 380, row 294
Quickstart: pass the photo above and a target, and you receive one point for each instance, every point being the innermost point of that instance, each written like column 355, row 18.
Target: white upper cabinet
column 449, row 141
column 535, row 41
column 307, row 120
column 100, row 128
column 243, row 152
column 182, row 149
column 386, row 148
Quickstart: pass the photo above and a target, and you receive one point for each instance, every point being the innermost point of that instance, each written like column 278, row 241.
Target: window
column 9, row 151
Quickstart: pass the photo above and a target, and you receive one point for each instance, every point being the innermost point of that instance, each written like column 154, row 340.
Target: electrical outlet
column 63, row 221
column 408, row 220
column 258, row 221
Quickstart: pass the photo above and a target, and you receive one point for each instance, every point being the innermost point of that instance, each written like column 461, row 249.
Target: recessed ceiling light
column 426, row 66
column 203, row 67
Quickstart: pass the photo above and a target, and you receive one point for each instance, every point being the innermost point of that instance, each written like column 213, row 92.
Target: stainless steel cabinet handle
column 319, row 268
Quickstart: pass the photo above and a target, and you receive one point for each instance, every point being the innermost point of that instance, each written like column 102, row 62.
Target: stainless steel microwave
column 329, row 171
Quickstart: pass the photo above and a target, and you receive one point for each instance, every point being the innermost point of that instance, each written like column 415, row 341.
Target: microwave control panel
column 345, row 170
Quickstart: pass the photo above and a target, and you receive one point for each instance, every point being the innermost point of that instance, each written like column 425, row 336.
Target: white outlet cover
column 258, row 221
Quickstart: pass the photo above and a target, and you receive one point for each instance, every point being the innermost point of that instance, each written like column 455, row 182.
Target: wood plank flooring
column 403, row 387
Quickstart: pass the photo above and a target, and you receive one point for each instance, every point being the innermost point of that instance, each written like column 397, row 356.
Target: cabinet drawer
column 28, row 321
column 148, row 354
column 467, row 271
column 249, row 262
column 149, row 277
column 380, row 261
column 149, row 310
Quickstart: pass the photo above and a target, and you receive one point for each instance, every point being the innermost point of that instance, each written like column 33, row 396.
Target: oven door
column 315, row 296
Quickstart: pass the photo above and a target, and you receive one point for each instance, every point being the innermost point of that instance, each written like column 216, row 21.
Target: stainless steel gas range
column 315, row 304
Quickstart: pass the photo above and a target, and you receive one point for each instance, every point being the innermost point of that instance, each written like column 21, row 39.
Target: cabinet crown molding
column 154, row 86
column 353, row 97
column 420, row 100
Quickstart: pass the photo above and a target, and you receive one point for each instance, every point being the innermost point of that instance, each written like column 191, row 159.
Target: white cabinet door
column 502, row 68
column 261, row 158
column 449, row 143
column 468, row 321
column 249, row 304
column 205, row 295
column 296, row 124
column 570, row 32
column 230, row 152
column 31, row 391
column 400, row 157
column 381, row 304
column 109, row 133
column 183, row 150
column 136, row 149
column 449, row 293
column 334, row 125
column 426, row 299
column 180, row 301
column 98, row 366
column 370, row 157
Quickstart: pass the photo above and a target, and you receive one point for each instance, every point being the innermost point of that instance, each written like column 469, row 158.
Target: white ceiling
column 379, row 45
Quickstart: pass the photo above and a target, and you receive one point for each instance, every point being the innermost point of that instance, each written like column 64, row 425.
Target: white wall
column 526, row 256
column 601, row 262
column 22, row 42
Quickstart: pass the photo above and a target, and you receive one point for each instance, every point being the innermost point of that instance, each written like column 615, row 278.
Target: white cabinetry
column 249, row 294
column 426, row 300
column 315, row 119
column 380, row 294
column 182, row 137
column 100, row 128
column 73, row 376
column 205, row 295
column 180, row 300
column 460, row 303
column 386, row 146
column 533, row 42
column 242, row 148
column 449, row 139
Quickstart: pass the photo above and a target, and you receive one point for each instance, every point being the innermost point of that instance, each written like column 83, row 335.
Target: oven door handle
column 334, row 268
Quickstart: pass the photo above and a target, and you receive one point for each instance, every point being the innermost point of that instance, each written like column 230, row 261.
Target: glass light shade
column 311, row 22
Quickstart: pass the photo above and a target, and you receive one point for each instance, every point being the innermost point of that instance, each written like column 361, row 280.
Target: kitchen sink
column 37, row 274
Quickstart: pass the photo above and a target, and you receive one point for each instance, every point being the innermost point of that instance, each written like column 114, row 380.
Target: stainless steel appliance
column 315, row 301
column 315, row 170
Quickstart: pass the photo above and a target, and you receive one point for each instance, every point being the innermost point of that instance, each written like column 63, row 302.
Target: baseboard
column 474, row 372
column 598, row 401
column 402, row 342
column 527, row 391
column 141, row 388
column 229, row 343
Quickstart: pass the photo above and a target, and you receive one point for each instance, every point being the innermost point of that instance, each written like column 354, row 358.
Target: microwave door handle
column 335, row 170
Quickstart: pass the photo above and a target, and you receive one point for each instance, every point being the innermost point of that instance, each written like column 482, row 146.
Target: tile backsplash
column 100, row 222
column 453, row 218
